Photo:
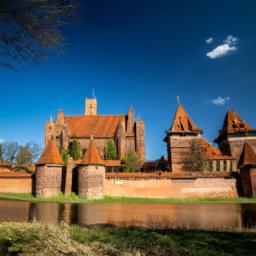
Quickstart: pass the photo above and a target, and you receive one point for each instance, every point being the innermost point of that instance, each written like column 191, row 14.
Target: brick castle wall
column 16, row 185
column 172, row 188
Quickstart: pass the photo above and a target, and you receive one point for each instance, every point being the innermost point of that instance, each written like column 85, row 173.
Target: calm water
column 224, row 217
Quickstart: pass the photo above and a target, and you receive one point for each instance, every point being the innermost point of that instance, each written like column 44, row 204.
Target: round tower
column 91, row 174
column 49, row 171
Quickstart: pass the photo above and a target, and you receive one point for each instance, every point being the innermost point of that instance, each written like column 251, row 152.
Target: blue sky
column 142, row 54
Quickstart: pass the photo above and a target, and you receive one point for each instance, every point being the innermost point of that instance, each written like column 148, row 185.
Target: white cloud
column 220, row 101
column 1, row 140
column 229, row 45
column 209, row 40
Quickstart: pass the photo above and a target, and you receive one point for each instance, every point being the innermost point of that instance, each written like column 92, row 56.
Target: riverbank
column 39, row 239
column 73, row 198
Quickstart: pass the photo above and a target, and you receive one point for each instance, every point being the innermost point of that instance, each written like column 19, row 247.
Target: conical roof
column 92, row 156
column 233, row 123
column 248, row 156
column 51, row 155
column 183, row 123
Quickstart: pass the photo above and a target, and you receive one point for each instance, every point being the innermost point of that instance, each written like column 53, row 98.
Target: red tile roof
column 100, row 126
column 112, row 163
column 214, row 153
column 248, row 156
column 7, row 173
column 167, row 175
column 233, row 124
column 92, row 156
column 182, row 122
column 5, row 164
column 51, row 155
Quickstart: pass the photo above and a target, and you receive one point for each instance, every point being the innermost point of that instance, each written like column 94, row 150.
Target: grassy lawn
column 38, row 239
column 60, row 198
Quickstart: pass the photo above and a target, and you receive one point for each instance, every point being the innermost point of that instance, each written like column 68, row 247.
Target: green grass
column 39, row 239
column 73, row 198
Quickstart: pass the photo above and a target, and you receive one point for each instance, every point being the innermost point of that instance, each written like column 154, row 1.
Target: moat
column 213, row 216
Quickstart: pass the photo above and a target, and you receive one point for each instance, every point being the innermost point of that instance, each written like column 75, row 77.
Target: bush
column 132, row 162
column 75, row 150
column 110, row 152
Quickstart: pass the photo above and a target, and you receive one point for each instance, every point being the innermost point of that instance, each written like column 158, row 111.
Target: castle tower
column 50, row 132
column 90, row 107
column 49, row 171
column 140, row 139
column 91, row 174
column 130, row 121
column 179, row 137
column 247, row 166
column 121, row 140
column 235, row 132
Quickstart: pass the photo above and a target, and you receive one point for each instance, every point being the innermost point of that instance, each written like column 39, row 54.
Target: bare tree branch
column 30, row 28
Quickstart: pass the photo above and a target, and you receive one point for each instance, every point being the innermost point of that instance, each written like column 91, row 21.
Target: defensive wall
column 172, row 185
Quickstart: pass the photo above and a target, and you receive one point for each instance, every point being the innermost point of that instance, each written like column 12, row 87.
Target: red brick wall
column 172, row 188
column 16, row 185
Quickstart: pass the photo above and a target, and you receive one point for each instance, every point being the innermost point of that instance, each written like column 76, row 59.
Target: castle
column 88, row 177
column 231, row 140
column 126, row 132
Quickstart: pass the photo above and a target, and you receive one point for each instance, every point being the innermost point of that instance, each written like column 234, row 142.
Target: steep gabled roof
column 248, row 156
column 51, row 155
column 100, row 126
column 214, row 153
column 233, row 123
column 182, row 123
column 92, row 156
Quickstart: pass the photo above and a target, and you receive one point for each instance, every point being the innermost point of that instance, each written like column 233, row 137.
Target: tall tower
column 90, row 107
column 179, row 137
column 234, row 134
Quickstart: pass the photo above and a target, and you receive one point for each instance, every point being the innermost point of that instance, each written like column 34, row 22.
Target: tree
column 110, row 151
column 10, row 150
column 29, row 28
column 75, row 150
column 64, row 156
column 132, row 162
column 27, row 154
column 1, row 152
column 198, row 157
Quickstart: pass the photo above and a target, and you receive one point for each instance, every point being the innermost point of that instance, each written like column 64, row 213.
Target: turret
column 179, row 138
column 233, row 135
column 49, row 171
column 91, row 174
column 50, row 132
column 130, row 122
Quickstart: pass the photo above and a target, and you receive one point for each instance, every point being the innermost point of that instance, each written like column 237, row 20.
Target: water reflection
column 224, row 217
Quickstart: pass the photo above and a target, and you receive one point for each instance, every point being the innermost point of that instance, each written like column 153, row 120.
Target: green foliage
column 64, row 156
column 74, row 198
column 132, row 162
column 110, row 151
column 75, row 150
column 198, row 157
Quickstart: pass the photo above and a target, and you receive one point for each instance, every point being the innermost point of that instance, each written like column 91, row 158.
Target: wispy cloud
column 209, row 40
column 220, row 101
column 1, row 140
column 228, row 45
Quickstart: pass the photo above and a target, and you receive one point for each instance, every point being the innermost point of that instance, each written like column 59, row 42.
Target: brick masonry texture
column 16, row 185
column 91, row 181
column 48, row 180
column 172, row 188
